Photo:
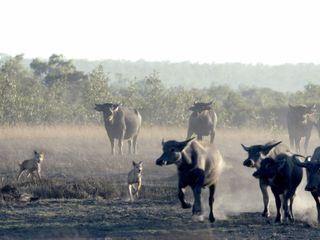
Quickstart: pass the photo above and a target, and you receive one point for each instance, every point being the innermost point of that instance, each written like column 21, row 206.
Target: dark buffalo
column 300, row 120
column 256, row 154
column 121, row 123
column 284, row 177
column 203, row 121
column 312, row 165
column 197, row 167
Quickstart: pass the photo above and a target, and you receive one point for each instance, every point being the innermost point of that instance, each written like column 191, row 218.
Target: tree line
column 55, row 91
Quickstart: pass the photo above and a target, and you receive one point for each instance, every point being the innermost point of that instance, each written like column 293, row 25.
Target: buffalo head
column 108, row 110
column 312, row 167
column 256, row 153
column 172, row 152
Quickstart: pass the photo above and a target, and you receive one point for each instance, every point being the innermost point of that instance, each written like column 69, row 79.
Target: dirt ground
column 75, row 156
column 144, row 219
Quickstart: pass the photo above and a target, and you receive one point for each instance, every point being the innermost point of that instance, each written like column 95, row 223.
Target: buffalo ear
column 182, row 145
column 245, row 148
column 267, row 148
column 115, row 107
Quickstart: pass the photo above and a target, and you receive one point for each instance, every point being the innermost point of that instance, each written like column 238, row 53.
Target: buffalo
column 121, row 123
column 300, row 120
column 198, row 167
column 312, row 165
column 256, row 154
column 202, row 121
column 284, row 177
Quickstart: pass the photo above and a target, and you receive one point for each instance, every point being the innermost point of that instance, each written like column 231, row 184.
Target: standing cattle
column 197, row 167
column 203, row 121
column 300, row 120
column 256, row 154
column 312, row 166
column 121, row 123
column 284, row 177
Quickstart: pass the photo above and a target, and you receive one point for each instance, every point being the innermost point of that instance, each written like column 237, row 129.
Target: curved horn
column 162, row 142
column 245, row 148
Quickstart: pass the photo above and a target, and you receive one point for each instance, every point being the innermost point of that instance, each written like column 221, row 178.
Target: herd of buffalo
column 199, row 164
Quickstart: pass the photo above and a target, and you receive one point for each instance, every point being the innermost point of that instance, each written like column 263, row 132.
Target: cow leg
column 278, row 205
column 112, row 145
column 199, row 176
column 306, row 143
column 212, row 189
column 265, row 196
column 135, row 150
column 120, row 145
column 316, row 198
column 184, row 204
column 129, row 146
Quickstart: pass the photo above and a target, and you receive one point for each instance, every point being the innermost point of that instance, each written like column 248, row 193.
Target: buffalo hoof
column 212, row 218
column 196, row 209
column 265, row 214
column 277, row 220
column 186, row 205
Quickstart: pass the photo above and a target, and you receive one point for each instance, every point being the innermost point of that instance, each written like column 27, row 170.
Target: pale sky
column 247, row 31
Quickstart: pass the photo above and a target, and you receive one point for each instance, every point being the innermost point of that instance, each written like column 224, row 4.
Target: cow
column 256, row 154
column 300, row 120
column 202, row 121
column 312, row 165
column 121, row 123
column 284, row 177
column 198, row 167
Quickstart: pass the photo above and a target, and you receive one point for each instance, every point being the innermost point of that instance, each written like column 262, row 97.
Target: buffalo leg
column 189, row 134
column 306, row 143
column 297, row 143
column 265, row 197
column 291, row 142
column 316, row 198
column 129, row 146
column 212, row 135
column 212, row 189
column 184, row 204
column 112, row 145
column 199, row 137
column 135, row 150
column 278, row 205
column 199, row 175
column 120, row 144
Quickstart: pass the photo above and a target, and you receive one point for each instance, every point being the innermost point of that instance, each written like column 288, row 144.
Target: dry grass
column 78, row 164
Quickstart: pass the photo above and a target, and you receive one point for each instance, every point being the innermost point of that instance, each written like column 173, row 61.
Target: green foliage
column 54, row 91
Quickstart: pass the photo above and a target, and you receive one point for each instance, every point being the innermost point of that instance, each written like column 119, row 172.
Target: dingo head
column 138, row 167
column 39, row 156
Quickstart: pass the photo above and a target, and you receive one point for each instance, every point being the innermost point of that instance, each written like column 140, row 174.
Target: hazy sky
column 248, row 31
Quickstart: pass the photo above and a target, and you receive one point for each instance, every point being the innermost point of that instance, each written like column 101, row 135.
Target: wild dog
column 32, row 166
column 135, row 180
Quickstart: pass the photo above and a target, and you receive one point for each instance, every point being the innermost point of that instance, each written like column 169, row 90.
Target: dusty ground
column 144, row 219
column 84, row 192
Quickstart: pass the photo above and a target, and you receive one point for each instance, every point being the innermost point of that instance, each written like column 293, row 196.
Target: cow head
column 201, row 106
column 172, row 152
column 269, row 168
column 301, row 111
column 257, row 153
column 312, row 167
column 108, row 109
